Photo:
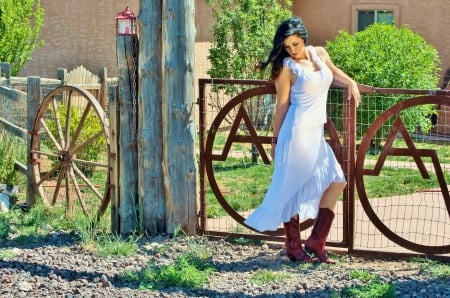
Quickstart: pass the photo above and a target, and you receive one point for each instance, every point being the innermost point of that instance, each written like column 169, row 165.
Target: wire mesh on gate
column 404, row 205
column 405, row 155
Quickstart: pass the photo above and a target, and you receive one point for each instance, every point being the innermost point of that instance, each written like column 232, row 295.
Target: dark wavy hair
column 293, row 25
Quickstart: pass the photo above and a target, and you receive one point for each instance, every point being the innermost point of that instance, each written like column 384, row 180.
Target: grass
column 242, row 182
column 11, row 149
column 243, row 185
column 399, row 181
column 191, row 270
column 7, row 254
column 261, row 277
column 442, row 150
column 371, row 286
column 433, row 268
column 25, row 226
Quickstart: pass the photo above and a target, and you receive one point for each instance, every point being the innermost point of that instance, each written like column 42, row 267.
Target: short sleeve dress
column 304, row 164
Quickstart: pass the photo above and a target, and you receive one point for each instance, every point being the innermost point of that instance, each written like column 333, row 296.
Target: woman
column 307, row 178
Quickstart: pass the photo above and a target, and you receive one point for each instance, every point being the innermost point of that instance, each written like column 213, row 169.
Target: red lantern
column 126, row 22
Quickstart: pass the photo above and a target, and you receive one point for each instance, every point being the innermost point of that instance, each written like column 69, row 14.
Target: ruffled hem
column 304, row 202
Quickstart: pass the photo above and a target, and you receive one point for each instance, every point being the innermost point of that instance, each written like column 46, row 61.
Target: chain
column 134, row 85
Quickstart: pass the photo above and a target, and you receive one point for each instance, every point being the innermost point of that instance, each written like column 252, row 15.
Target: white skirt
column 305, row 166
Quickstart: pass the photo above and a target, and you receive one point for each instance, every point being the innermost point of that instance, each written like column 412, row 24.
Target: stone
column 4, row 203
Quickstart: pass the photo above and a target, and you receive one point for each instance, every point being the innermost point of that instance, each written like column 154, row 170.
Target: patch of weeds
column 362, row 275
column 114, row 245
column 7, row 254
column 185, row 272
column 261, row 277
column 372, row 287
column 190, row 270
column 4, row 226
column 433, row 268
column 245, row 241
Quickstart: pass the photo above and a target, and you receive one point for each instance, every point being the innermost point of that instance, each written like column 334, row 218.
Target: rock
column 4, row 203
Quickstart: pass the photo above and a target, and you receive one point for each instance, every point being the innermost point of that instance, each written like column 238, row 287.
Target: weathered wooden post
column 5, row 71
column 33, row 103
column 125, row 200
column 103, row 75
column 166, row 157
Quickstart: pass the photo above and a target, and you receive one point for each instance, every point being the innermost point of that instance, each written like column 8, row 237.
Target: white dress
column 304, row 164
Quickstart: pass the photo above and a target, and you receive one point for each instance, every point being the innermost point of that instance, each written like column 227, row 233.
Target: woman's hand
column 353, row 91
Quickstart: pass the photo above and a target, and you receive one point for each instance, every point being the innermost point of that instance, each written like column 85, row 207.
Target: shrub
column 386, row 56
column 20, row 24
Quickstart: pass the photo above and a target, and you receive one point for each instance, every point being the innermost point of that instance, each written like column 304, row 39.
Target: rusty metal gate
column 235, row 167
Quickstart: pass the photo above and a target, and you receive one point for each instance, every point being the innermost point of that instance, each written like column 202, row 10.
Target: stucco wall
column 82, row 32
column 430, row 19
column 78, row 32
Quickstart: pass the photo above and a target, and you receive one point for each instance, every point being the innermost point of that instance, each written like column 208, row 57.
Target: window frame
column 356, row 8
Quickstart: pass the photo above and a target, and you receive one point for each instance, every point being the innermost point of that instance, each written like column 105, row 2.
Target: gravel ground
column 58, row 266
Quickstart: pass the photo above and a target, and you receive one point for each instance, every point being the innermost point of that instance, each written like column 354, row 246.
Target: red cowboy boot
column 316, row 242
column 294, row 250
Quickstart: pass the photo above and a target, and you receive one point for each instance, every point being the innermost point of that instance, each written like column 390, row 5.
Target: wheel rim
column 69, row 150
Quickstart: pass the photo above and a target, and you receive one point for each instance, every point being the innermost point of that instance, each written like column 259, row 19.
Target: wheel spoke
column 80, row 126
column 90, row 163
column 58, row 185
column 68, row 119
column 86, row 180
column 85, row 143
column 48, row 174
column 68, row 201
column 50, row 135
column 77, row 189
column 37, row 152
column 58, row 122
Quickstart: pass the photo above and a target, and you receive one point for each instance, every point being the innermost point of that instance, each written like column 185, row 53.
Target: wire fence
column 401, row 202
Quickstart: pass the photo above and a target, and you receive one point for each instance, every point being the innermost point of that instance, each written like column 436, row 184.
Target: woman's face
column 295, row 46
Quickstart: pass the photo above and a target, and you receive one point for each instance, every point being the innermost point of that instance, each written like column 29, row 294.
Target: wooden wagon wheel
column 69, row 152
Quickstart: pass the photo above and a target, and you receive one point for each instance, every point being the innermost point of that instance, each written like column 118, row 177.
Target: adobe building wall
column 428, row 18
column 83, row 32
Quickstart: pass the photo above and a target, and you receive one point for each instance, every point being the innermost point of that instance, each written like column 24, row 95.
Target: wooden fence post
column 128, row 201
column 167, row 166
column 33, row 103
column 61, row 74
column 5, row 70
column 113, row 159
column 103, row 75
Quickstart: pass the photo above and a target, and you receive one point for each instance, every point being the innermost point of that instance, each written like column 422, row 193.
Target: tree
column 392, row 57
column 20, row 24
column 243, row 35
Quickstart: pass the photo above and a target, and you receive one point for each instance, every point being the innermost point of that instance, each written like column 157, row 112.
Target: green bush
column 391, row 57
column 20, row 24
column 11, row 149
column 386, row 56
column 91, row 126
column 243, row 35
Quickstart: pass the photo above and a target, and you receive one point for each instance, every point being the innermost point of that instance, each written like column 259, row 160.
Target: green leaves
column 20, row 24
column 391, row 57
column 243, row 35
column 386, row 56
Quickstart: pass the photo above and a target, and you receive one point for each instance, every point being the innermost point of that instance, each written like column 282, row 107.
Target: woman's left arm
column 340, row 76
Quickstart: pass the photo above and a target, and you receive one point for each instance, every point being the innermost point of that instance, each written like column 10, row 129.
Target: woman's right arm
column 283, row 86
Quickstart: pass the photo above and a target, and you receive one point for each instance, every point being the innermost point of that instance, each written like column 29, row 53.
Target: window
column 368, row 17
column 364, row 15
